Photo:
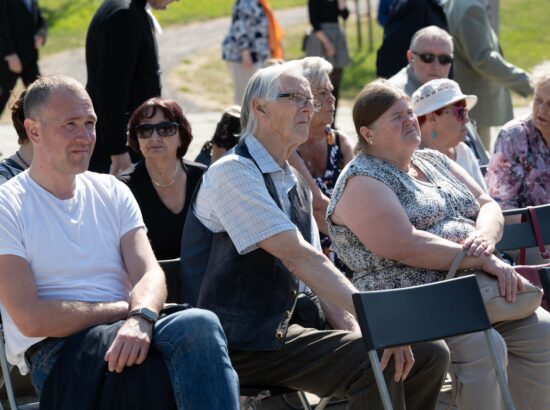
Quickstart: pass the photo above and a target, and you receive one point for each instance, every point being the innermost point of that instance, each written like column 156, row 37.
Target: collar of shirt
column 283, row 178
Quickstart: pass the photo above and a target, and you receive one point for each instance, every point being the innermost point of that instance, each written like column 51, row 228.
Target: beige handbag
column 498, row 309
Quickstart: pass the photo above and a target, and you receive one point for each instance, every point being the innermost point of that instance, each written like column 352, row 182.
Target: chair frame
column 427, row 312
column 6, row 373
column 521, row 235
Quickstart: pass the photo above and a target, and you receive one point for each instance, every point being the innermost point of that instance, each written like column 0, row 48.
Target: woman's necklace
column 172, row 180
column 25, row 163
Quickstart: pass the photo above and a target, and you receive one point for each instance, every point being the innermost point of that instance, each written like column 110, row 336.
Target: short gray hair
column 540, row 74
column 430, row 32
column 315, row 69
column 264, row 84
column 39, row 91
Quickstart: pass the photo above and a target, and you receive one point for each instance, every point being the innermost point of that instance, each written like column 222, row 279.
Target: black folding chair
column 405, row 316
column 544, row 274
column 171, row 268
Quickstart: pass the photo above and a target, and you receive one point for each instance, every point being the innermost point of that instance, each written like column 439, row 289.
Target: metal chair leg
column 499, row 369
column 379, row 376
column 323, row 403
column 304, row 400
column 6, row 368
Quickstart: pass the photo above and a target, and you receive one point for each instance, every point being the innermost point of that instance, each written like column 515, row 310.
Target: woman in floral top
column 398, row 217
column 325, row 153
column 519, row 171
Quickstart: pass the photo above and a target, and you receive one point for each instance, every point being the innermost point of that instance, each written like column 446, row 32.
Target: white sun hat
column 437, row 94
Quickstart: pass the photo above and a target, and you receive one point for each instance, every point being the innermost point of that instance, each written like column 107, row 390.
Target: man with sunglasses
column 430, row 56
column 480, row 67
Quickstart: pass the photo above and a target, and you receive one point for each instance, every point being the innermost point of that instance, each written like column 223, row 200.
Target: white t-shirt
column 466, row 158
column 72, row 245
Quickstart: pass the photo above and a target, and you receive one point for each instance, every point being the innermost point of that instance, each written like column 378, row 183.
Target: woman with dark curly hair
column 163, row 182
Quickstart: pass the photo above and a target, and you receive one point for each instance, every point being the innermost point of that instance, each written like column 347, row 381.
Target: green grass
column 68, row 20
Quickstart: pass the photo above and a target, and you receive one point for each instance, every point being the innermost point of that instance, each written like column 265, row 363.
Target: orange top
column 275, row 31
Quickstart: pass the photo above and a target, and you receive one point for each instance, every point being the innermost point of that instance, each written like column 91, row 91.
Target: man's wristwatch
column 145, row 313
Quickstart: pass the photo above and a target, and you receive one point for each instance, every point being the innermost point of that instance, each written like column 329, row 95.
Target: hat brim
column 471, row 101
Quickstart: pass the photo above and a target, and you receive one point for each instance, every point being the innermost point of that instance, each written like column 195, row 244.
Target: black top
column 8, row 169
column 164, row 228
column 18, row 26
column 123, row 70
column 322, row 11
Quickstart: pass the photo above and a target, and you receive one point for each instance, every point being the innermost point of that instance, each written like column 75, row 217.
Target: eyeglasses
column 164, row 129
column 301, row 100
column 460, row 112
column 428, row 58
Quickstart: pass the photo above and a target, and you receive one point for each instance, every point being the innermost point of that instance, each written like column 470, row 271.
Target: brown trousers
column 335, row 363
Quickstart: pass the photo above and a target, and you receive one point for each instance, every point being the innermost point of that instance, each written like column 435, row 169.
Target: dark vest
column 254, row 294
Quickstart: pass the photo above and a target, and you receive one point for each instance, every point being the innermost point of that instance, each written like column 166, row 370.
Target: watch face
column 149, row 314
column 145, row 313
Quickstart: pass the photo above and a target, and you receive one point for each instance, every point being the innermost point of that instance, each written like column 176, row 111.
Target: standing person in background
column 22, row 32
column 22, row 158
column 479, row 66
column 328, row 39
column 123, row 72
column 254, row 37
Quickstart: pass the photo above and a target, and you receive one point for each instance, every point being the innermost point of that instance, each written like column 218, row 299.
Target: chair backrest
column 544, row 274
column 521, row 235
column 428, row 312
column 171, row 268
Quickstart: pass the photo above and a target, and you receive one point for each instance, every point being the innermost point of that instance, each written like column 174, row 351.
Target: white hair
column 540, row 74
column 315, row 69
column 264, row 84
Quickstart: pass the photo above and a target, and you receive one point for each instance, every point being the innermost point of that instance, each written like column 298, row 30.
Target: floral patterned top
column 248, row 31
column 443, row 206
column 518, row 174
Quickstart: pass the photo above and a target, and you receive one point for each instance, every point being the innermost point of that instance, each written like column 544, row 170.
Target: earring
column 434, row 134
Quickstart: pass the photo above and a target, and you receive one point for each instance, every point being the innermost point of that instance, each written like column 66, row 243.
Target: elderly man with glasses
column 253, row 235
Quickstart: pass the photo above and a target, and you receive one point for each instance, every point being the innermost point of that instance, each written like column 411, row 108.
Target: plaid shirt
column 233, row 198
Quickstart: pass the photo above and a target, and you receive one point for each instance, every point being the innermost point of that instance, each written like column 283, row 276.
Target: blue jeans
column 195, row 351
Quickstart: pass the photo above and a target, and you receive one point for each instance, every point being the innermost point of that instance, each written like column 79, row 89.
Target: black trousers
column 8, row 79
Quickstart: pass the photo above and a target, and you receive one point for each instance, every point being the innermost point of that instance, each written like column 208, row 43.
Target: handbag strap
column 536, row 230
column 456, row 263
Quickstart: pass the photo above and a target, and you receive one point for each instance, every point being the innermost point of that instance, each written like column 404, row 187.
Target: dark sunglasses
column 428, row 58
column 164, row 129
column 460, row 112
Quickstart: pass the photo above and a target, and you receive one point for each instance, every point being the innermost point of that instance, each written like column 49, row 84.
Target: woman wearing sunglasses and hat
column 442, row 111
column 163, row 182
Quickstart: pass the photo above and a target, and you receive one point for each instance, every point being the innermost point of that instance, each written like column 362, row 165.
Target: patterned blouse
column 518, row 174
column 443, row 206
column 326, row 182
column 248, row 31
